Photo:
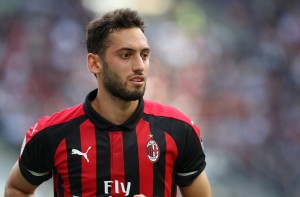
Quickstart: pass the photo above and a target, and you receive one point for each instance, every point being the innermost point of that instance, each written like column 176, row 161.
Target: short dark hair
column 99, row 29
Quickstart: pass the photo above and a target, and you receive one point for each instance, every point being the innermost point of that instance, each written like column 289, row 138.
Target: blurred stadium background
column 232, row 65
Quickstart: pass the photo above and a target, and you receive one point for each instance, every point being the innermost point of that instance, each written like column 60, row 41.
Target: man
column 115, row 143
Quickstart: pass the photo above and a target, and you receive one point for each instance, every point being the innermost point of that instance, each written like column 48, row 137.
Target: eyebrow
column 133, row 50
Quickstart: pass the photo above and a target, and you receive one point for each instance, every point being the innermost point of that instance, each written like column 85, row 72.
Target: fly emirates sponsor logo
column 117, row 186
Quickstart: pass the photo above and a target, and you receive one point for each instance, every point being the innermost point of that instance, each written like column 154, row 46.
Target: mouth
column 137, row 79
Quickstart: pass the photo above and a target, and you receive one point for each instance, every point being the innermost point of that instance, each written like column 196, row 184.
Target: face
column 126, row 64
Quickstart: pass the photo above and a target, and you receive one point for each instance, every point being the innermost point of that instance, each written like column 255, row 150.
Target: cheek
column 118, row 67
column 147, row 67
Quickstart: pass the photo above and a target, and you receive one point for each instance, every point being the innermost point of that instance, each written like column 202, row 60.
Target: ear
column 94, row 63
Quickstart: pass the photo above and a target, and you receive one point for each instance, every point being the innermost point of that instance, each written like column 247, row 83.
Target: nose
column 139, row 64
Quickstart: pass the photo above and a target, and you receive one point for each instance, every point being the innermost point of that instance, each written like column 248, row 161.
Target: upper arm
column 199, row 187
column 17, row 185
column 192, row 160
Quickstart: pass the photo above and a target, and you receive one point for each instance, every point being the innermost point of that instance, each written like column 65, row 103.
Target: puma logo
column 77, row 152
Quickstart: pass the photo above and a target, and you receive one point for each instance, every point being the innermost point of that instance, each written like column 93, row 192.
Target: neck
column 113, row 109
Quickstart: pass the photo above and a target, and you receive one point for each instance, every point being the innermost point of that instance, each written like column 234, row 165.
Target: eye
column 145, row 55
column 125, row 55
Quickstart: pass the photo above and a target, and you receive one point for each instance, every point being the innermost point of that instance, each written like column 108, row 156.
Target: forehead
column 132, row 38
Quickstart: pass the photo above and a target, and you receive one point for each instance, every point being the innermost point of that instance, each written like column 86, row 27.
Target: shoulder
column 159, row 109
column 59, row 117
column 162, row 110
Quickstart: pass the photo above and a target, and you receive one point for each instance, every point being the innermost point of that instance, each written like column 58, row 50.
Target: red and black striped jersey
column 156, row 149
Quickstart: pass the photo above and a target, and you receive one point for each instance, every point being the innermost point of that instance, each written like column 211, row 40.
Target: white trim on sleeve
column 187, row 174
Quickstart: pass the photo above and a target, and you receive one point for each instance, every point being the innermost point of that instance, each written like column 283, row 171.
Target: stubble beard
column 113, row 84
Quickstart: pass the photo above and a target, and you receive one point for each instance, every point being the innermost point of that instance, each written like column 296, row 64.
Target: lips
column 139, row 78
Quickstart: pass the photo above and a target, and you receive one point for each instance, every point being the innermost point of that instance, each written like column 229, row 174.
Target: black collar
column 103, row 124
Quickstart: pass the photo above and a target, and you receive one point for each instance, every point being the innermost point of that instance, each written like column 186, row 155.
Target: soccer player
column 115, row 143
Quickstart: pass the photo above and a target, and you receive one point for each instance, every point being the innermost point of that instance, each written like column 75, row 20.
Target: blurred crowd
column 231, row 65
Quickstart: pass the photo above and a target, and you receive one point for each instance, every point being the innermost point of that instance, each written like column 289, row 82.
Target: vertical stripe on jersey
column 131, row 161
column 88, row 169
column 103, row 162
column 145, row 165
column 170, row 160
column 61, row 157
column 160, row 165
column 74, row 161
column 117, row 163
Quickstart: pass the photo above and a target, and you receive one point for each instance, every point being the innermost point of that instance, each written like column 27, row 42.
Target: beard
column 114, row 85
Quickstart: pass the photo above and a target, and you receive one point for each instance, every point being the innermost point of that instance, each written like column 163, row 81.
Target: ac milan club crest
column 153, row 151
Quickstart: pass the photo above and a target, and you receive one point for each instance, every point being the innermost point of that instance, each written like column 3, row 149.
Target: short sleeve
column 193, row 161
column 34, row 160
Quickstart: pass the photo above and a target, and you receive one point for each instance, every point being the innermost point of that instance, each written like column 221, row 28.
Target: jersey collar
column 103, row 124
